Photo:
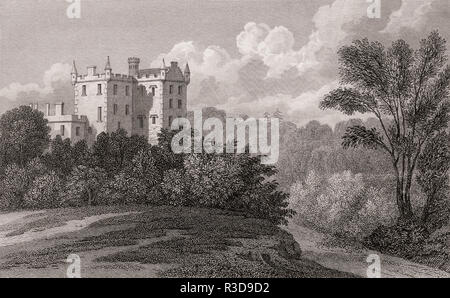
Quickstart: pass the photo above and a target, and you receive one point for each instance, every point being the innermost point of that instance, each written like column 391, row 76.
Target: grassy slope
column 196, row 242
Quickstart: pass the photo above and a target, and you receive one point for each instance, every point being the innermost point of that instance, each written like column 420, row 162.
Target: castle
column 142, row 102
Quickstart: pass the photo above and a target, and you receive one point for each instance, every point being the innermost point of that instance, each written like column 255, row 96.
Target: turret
column 133, row 66
column 108, row 69
column 187, row 74
column 74, row 73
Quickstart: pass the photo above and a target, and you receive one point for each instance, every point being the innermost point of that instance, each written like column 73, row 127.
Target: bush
column 123, row 189
column 342, row 204
column 84, row 185
column 405, row 239
column 45, row 192
column 231, row 182
column 16, row 183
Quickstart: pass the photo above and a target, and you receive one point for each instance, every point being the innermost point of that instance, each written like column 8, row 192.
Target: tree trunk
column 89, row 198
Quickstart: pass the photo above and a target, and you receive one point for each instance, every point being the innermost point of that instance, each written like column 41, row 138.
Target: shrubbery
column 119, row 169
column 342, row 204
column 45, row 192
column 232, row 181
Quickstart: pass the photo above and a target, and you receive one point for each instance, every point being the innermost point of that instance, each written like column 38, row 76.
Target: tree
column 407, row 91
column 60, row 158
column 81, row 155
column 45, row 192
column 113, row 152
column 24, row 135
column 16, row 183
column 433, row 167
column 84, row 184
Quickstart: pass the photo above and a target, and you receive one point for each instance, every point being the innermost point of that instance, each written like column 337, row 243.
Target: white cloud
column 411, row 14
column 210, row 61
column 300, row 109
column 58, row 72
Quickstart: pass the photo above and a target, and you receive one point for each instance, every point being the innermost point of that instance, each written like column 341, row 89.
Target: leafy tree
column 139, row 182
column 84, row 185
column 60, row 158
column 231, row 182
column 433, row 167
column 16, row 183
column 45, row 192
column 81, row 155
column 24, row 135
column 114, row 151
column 406, row 90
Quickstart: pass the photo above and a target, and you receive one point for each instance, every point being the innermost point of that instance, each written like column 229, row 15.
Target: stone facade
column 142, row 102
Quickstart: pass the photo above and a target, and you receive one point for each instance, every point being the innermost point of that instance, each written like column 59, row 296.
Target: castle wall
column 68, row 127
column 121, row 101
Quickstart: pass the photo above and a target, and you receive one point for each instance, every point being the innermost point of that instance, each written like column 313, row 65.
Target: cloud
column 55, row 87
column 412, row 14
column 204, row 62
column 57, row 74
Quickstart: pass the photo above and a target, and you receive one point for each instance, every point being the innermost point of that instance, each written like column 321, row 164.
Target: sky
column 246, row 57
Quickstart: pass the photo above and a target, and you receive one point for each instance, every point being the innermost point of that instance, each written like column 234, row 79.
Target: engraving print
column 224, row 139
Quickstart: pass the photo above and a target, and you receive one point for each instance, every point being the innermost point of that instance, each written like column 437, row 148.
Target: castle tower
column 187, row 74
column 133, row 66
column 74, row 73
column 108, row 69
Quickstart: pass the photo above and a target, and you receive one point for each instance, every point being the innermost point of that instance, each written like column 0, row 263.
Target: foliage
column 341, row 204
column 433, row 168
column 84, row 185
column 232, row 182
column 407, row 91
column 24, row 135
column 114, row 151
column 45, row 192
column 16, row 183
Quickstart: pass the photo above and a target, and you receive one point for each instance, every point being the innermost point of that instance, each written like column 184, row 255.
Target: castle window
column 115, row 89
column 99, row 89
column 153, row 120
column 153, row 91
column 115, row 109
column 99, row 114
column 77, row 131
column 83, row 92
column 170, row 89
column 141, row 121
column 170, row 103
column 61, row 130
column 180, row 89
column 170, row 120
column 142, row 90
column 127, row 90
column 180, row 104
column 127, row 110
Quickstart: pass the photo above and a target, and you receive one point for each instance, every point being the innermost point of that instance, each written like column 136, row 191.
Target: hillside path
column 354, row 261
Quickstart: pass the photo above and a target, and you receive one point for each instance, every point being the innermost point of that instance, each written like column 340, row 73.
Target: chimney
column 133, row 66
column 173, row 64
column 59, row 109
column 47, row 109
column 92, row 70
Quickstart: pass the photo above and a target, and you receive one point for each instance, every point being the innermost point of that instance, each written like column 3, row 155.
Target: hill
column 142, row 241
